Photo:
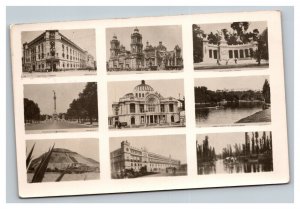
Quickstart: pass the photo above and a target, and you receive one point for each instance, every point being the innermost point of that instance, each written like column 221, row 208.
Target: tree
column 266, row 92
column 197, row 43
column 31, row 110
column 89, row 100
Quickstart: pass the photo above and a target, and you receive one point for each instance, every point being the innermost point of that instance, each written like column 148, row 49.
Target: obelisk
column 54, row 112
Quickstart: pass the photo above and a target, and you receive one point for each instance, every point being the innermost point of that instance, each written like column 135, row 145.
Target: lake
column 223, row 116
column 218, row 167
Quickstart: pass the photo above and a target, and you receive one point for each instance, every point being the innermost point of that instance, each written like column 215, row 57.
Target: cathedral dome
column 143, row 87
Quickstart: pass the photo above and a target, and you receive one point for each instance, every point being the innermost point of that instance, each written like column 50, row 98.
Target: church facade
column 144, row 107
column 141, row 58
column 52, row 51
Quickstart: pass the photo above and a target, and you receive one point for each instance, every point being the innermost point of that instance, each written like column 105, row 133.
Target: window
column 251, row 52
column 132, row 108
column 246, row 53
column 230, row 54
column 162, row 108
column 171, row 108
column 210, row 53
column 151, row 107
column 142, row 108
column 236, row 54
column 241, row 53
column 215, row 54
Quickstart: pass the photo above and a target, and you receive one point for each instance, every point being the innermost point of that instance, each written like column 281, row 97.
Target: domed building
column 145, row 107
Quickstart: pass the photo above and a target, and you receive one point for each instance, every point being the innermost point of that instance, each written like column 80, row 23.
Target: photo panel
column 233, row 45
column 60, row 107
column 232, row 101
column 57, row 160
column 146, row 104
column 51, row 53
column 144, row 49
column 148, row 156
column 232, row 153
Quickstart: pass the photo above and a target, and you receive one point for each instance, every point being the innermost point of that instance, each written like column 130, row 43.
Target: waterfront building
column 145, row 107
column 140, row 58
column 52, row 51
column 131, row 158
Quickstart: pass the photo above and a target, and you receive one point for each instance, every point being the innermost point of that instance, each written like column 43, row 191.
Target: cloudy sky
column 174, row 145
column 221, row 140
column 169, row 35
column 167, row 88
column 42, row 94
column 207, row 28
column 233, row 83
column 85, row 147
column 84, row 38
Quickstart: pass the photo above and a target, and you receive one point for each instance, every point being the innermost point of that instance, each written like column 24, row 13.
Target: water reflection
column 223, row 115
column 219, row 166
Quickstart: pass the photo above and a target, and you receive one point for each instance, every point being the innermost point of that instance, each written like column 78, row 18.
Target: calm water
column 223, row 116
column 219, row 167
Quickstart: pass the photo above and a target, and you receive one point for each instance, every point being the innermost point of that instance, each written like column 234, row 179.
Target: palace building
column 52, row 51
column 145, row 107
column 131, row 158
column 140, row 58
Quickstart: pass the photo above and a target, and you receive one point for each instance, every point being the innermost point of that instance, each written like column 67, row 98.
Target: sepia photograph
column 146, row 104
column 239, row 152
column 55, row 160
column 232, row 101
column 144, row 49
column 240, row 45
column 148, row 156
column 58, row 53
column 60, row 107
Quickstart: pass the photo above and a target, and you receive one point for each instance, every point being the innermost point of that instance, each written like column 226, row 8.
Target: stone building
column 131, row 158
column 52, row 51
column 224, row 54
column 143, row 58
column 144, row 107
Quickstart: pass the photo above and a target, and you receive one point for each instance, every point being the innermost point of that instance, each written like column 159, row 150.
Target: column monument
column 55, row 116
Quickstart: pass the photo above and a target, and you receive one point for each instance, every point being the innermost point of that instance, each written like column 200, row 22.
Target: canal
column 218, row 167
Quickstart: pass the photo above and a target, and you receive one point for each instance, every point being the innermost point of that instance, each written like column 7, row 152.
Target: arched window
column 132, row 121
column 172, row 118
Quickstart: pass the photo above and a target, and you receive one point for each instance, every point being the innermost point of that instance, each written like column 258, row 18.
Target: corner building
column 145, row 107
column 52, row 51
column 131, row 158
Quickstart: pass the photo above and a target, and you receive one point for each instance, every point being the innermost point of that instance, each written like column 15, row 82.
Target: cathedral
column 141, row 58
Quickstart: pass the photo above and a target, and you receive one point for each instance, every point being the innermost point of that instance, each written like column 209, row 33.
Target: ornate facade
column 224, row 54
column 131, row 158
column 52, row 51
column 145, row 107
column 139, row 58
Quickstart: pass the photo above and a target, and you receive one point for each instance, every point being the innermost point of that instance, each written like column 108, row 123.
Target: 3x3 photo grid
column 151, row 89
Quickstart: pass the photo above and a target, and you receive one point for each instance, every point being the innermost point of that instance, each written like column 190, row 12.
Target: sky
column 166, row 88
column 221, row 140
column 84, row 38
column 174, row 145
column 169, row 35
column 207, row 28
column 42, row 94
column 85, row 147
column 235, row 83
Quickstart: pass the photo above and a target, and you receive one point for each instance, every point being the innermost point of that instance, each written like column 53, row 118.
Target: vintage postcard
column 149, row 104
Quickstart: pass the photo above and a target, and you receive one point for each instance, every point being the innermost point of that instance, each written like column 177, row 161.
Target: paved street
column 59, row 73
column 54, row 125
